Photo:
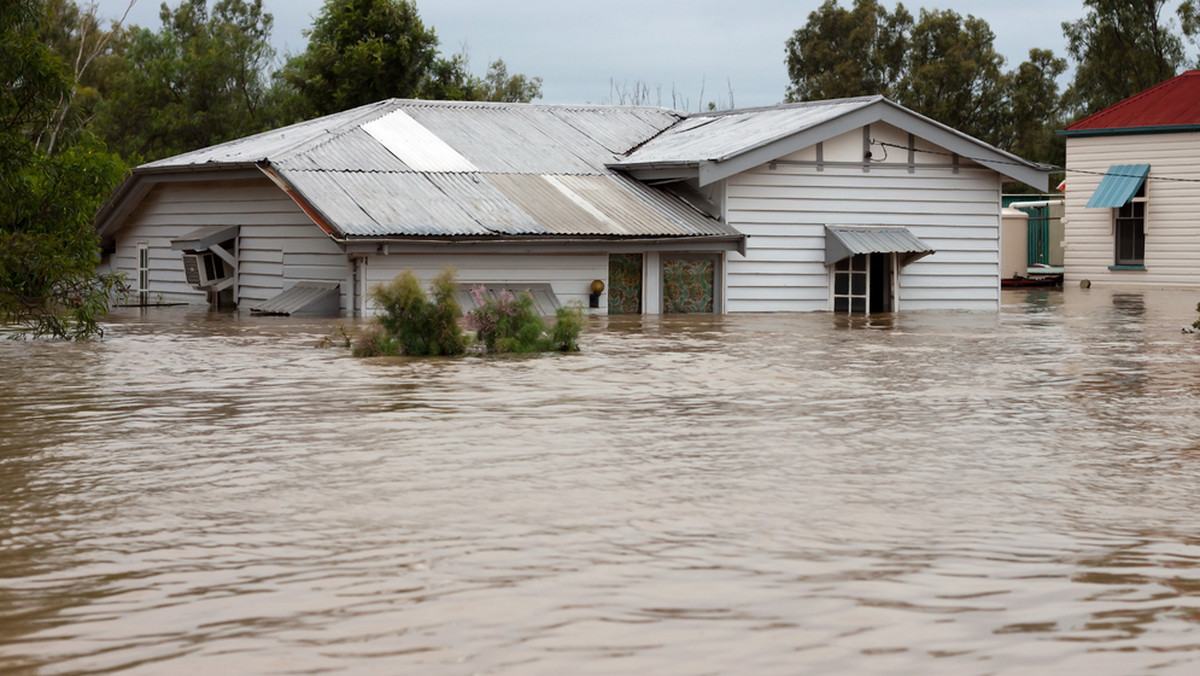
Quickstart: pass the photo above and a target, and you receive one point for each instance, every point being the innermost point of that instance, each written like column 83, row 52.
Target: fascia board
column 712, row 171
column 966, row 146
column 879, row 111
column 126, row 198
column 513, row 245
column 657, row 174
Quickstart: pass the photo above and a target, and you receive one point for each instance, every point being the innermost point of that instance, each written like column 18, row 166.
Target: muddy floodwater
column 926, row 493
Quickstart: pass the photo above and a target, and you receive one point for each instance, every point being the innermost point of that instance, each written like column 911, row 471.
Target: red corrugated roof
column 1175, row 102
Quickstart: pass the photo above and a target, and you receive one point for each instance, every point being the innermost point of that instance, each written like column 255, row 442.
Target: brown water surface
column 935, row 493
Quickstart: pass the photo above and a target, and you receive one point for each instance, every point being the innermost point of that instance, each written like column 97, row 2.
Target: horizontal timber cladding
column 1172, row 225
column 784, row 208
column 569, row 275
column 278, row 245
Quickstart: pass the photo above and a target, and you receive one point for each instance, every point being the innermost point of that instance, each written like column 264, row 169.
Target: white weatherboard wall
column 784, row 208
column 569, row 275
column 1172, row 210
column 278, row 244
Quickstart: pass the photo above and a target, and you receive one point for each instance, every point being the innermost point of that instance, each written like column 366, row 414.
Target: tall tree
column 361, row 51
column 848, row 52
column 954, row 74
column 92, row 52
column 48, row 196
column 1121, row 48
column 1036, row 110
column 200, row 80
column 943, row 65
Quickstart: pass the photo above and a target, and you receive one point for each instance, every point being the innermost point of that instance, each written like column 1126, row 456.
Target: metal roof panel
column 1173, row 103
column 842, row 242
column 303, row 298
column 416, row 146
column 718, row 136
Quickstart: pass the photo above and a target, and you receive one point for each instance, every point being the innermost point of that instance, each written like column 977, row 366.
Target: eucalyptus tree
column 201, row 78
column 942, row 65
column 1122, row 47
column 49, row 191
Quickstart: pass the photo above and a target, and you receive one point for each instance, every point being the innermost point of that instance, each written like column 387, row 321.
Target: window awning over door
column 203, row 238
column 1118, row 186
column 844, row 241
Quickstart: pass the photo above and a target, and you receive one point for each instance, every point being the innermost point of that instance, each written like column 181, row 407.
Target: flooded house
column 850, row 205
column 1132, row 190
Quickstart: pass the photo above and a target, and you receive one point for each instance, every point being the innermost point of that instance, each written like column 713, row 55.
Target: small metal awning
column 844, row 241
column 305, row 298
column 1118, row 186
column 203, row 238
column 545, row 302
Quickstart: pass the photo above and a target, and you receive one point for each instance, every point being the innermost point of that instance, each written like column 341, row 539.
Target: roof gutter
column 1130, row 131
column 517, row 240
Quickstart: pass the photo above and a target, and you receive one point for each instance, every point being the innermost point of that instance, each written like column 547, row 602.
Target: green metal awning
column 844, row 241
column 1118, row 186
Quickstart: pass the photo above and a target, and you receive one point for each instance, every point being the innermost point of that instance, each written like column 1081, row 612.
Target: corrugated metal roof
column 275, row 144
column 842, row 241
column 305, row 298
column 423, row 168
column 718, row 136
column 1119, row 185
column 1173, row 103
column 354, row 150
column 414, row 145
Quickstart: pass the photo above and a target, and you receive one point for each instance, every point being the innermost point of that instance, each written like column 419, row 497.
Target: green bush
column 411, row 323
column 508, row 323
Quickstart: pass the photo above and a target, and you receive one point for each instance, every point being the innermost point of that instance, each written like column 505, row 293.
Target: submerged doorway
column 689, row 283
column 624, row 284
column 864, row 283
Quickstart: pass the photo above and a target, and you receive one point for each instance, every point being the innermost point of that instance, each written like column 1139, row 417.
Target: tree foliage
column 362, row 51
column 49, row 191
column 848, row 52
column 1122, row 47
column 942, row 65
column 201, row 79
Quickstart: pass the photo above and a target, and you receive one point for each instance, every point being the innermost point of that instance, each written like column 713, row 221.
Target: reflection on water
column 920, row 493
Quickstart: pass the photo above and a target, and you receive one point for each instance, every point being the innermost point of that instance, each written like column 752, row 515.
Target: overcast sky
column 701, row 49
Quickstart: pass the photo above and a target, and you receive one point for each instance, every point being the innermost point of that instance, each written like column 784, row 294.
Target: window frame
column 1129, row 232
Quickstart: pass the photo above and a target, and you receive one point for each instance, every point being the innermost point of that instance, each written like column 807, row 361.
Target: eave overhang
column 711, row 170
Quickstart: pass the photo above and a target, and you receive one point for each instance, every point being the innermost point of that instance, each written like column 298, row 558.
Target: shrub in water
column 508, row 323
column 412, row 324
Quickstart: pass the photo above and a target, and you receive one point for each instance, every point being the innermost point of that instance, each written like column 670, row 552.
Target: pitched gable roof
column 1173, row 105
column 713, row 146
column 406, row 168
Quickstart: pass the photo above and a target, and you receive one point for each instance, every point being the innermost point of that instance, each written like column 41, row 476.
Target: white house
column 847, row 205
column 1132, row 195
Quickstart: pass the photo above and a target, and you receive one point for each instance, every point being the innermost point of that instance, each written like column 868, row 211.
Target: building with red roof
column 1133, row 190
